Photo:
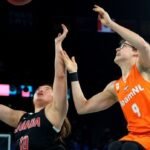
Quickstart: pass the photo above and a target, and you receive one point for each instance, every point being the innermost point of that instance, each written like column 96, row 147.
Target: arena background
column 27, row 55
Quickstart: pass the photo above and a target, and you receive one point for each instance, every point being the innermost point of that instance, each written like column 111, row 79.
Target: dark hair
column 123, row 41
column 65, row 130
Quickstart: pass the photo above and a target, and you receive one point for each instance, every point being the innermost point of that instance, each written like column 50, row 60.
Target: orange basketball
column 19, row 2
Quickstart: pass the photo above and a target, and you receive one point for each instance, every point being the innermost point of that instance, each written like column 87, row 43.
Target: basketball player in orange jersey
column 132, row 90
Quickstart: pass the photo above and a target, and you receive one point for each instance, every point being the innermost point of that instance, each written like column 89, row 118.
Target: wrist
column 110, row 24
column 73, row 76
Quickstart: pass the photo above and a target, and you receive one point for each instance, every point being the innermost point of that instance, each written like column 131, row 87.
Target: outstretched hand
column 70, row 63
column 60, row 38
column 103, row 16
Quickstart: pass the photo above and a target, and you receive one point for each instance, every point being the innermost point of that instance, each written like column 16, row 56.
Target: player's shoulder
column 111, row 88
column 111, row 84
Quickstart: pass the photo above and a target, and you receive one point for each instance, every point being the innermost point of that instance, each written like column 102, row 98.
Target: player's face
column 43, row 95
column 124, row 52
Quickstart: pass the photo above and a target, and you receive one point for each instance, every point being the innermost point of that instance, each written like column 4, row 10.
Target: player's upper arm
column 101, row 101
column 10, row 116
column 144, row 55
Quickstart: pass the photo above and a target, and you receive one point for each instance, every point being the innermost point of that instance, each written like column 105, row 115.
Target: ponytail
column 65, row 130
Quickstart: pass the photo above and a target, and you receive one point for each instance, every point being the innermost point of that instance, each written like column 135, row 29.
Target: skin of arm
column 10, row 116
column 98, row 102
column 60, row 104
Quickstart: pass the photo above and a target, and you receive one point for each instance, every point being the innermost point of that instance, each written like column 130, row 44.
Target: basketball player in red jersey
column 45, row 128
column 132, row 90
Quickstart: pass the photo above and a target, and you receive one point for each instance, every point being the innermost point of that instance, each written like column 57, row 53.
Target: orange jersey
column 134, row 98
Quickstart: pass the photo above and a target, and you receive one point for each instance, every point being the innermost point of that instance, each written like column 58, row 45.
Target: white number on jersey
column 136, row 109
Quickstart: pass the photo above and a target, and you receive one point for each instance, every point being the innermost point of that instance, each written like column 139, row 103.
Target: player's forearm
column 78, row 97
column 132, row 37
column 60, row 70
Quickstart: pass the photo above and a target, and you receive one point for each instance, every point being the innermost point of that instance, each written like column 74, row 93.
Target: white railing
column 5, row 142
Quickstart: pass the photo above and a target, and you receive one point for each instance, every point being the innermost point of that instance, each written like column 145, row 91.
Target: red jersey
column 134, row 98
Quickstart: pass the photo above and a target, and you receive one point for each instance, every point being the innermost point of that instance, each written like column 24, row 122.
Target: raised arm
column 98, row 102
column 134, row 39
column 60, row 78
column 10, row 116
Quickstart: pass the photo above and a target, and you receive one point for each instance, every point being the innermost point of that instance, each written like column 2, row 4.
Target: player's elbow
column 145, row 45
column 80, row 112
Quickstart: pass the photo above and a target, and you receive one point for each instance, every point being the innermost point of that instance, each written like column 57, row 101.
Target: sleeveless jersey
column 134, row 98
column 35, row 132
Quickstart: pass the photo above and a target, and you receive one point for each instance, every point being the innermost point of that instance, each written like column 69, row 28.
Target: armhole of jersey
column 56, row 129
column 22, row 116
column 115, row 86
